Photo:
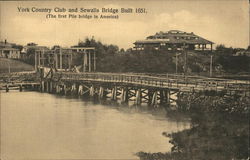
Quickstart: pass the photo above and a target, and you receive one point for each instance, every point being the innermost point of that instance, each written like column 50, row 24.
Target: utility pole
column 176, row 62
column 35, row 62
column 94, row 61
column 60, row 58
column 43, row 58
column 185, row 62
column 9, row 65
column 89, row 61
column 211, row 66
column 9, row 69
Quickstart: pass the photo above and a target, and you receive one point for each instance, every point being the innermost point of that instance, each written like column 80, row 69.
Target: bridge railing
column 172, row 81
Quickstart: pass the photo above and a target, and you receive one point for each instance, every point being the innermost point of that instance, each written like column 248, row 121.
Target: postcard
column 124, row 80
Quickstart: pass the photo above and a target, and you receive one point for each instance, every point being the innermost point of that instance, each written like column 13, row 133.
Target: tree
column 248, row 48
column 112, row 49
column 149, row 49
column 122, row 50
column 30, row 56
column 129, row 50
column 31, row 51
column 222, row 50
column 55, row 47
column 31, row 44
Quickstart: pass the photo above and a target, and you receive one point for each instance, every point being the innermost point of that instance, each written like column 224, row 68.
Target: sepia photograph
column 124, row 80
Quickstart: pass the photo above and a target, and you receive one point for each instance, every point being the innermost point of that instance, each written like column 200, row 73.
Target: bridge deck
column 164, row 81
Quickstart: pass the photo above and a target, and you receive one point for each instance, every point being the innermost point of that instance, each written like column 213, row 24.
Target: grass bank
column 14, row 66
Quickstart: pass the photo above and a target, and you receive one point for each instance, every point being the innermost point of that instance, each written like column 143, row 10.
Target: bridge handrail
column 158, row 81
column 168, row 76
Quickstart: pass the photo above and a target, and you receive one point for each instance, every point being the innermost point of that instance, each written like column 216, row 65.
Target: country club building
column 174, row 40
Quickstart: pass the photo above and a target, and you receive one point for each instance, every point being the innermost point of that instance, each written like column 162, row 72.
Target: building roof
column 174, row 36
column 8, row 49
column 35, row 47
column 6, row 44
column 77, row 47
column 40, row 47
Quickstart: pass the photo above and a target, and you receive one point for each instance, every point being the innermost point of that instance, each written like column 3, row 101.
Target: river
column 44, row 126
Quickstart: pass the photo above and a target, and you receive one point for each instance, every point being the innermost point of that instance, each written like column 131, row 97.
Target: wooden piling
column 138, row 97
column 168, row 97
column 124, row 95
column 7, row 88
column 51, row 87
column 65, row 89
column 92, row 91
column 20, row 88
column 32, row 87
column 73, row 88
column 42, row 86
column 162, row 97
column 150, row 96
column 80, row 90
column 154, row 99
column 47, row 87
column 59, row 89
column 100, row 94
column 77, row 89
column 105, row 92
column 114, row 93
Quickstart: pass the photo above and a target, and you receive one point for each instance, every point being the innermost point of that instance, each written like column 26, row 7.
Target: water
column 44, row 126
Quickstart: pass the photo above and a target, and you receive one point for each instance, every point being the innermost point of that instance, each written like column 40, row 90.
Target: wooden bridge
column 141, row 88
column 167, row 81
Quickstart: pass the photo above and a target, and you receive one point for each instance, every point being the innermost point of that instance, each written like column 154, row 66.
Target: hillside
column 15, row 66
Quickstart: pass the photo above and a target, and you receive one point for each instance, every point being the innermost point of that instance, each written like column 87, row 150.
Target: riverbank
column 216, row 136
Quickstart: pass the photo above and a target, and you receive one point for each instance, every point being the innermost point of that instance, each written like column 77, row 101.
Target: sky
column 222, row 22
